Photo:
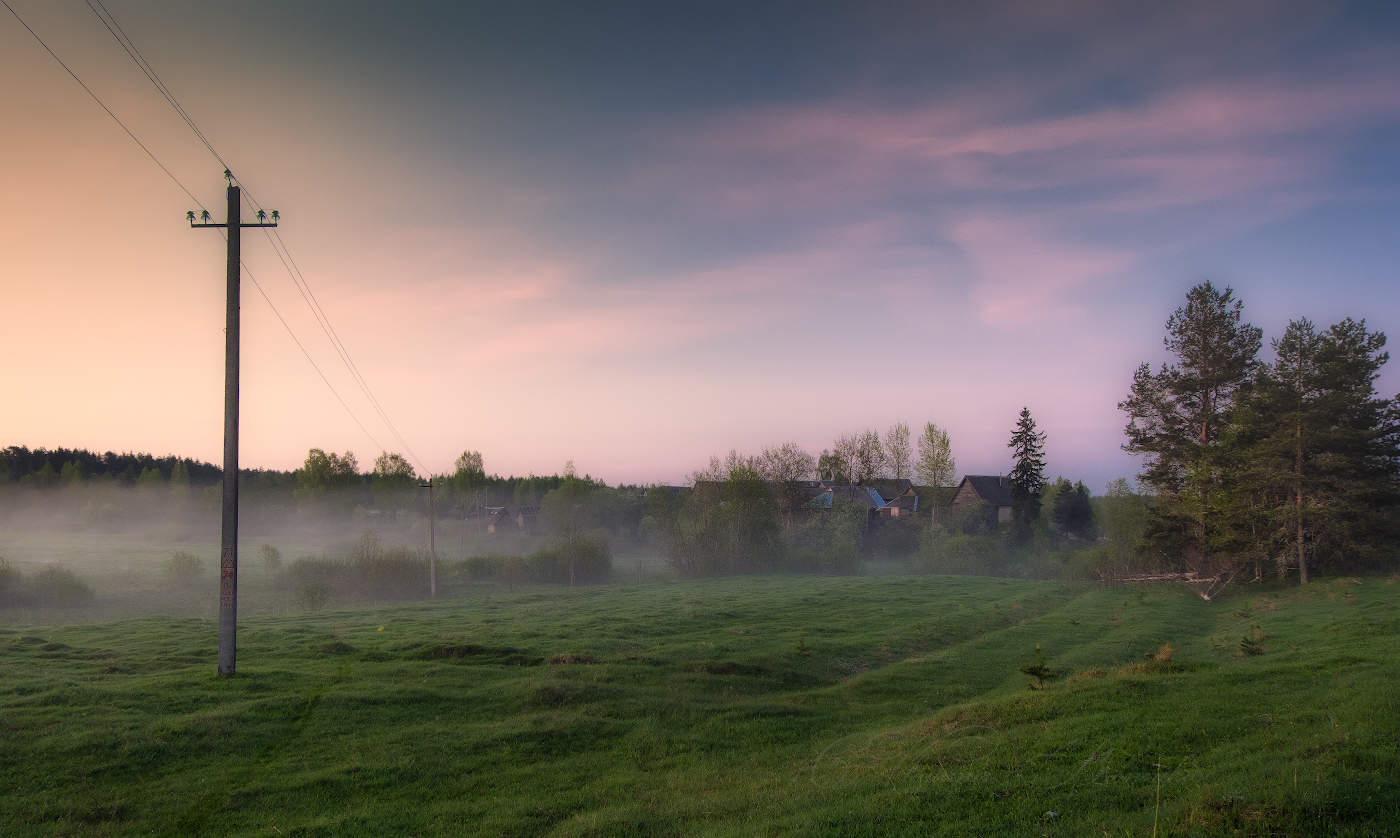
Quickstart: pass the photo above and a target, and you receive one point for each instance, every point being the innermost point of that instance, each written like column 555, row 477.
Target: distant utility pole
column 432, row 541
column 228, row 555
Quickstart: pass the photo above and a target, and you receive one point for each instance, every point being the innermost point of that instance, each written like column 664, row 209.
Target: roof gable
column 994, row 489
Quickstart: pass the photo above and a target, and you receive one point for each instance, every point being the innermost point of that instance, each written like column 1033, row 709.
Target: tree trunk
column 1298, row 501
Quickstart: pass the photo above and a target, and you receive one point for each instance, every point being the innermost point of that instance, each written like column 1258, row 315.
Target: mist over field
column 155, row 550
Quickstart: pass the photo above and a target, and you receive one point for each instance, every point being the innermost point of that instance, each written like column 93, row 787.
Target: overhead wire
column 304, row 288
column 200, row 204
column 307, row 355
column 101, row 104
column 129, row 46
column 279, row 245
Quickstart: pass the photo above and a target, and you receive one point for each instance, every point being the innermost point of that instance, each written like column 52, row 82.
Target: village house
column 993, row 490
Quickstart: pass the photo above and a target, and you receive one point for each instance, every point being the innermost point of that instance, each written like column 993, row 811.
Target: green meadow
column 879, row 705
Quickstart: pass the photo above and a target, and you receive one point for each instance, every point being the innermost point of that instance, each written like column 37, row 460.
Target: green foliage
column 1027, row 474
column 727, row 526
column 312, row 596
column 183, row 569
column 831, row 466
column 936, row 465
column 898, row 452
column 1038, row 670
column 322, row 472
column 1252, row 644
column 1318, row 453
column 1176, row 418
column 894, row 538
column 393, row 469
column 370, row 572
column 491, row 567
column 580, row 560
column 1123, row 516
column 660, row 511
column 1072, row 511
column 45, row 478
column 80, row 465
column 830, row 540
column 1294, row 465
column 961, row 554
column 470, row 466
column 179, row 475
column 71, row 474
column 57, row 587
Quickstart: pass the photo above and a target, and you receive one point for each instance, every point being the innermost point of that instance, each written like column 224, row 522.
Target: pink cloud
column 1029, row 199
column 1025, row 272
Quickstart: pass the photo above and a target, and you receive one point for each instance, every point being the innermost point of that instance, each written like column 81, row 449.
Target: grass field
column 887, row 705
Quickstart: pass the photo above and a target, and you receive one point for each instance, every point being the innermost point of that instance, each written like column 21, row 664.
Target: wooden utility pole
column 432, row 541
column 228, row 553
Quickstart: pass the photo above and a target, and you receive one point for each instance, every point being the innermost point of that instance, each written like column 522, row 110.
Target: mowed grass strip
column 773, row 705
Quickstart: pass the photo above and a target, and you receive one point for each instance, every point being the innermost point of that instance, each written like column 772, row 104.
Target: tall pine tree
column 1176, row 418
column 1322, row 449
column 1027, row 473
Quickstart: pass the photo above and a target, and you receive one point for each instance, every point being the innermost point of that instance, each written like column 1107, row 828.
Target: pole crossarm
column 272, row 224
column 233, row 222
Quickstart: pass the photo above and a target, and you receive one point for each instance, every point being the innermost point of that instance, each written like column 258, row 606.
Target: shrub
column 573, row 561
column 391, row 574
column 894, row 538
column 728, row 527
column 313, row 596
column 830, row 540
column 487, row 568
column 372, row 572
column 59, row 587
column 183, row 569
column 961, row 554
column 308, row 570
column 1038, row 670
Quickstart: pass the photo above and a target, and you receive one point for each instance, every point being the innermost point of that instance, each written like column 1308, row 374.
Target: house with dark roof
column 993, row 490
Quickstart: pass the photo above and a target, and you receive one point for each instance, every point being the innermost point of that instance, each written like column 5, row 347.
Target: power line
column 197, row 202
column 100, row 104
column 115, row 29
column 314, row 365
column 304, row 288
column 279, row 246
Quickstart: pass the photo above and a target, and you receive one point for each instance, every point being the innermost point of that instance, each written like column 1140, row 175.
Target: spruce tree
column 1027, row 473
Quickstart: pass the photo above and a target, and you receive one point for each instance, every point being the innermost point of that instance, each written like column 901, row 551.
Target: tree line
column 1282, row 467
column 47, row 467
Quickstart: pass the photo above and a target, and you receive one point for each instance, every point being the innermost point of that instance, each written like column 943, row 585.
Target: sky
column 635, row 235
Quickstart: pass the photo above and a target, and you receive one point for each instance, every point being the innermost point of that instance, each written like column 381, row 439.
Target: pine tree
column 1322, row 448
column 1027, row 473
column 1176, row 418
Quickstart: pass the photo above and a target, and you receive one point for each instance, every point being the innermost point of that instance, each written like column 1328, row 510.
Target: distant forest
column 44, row 467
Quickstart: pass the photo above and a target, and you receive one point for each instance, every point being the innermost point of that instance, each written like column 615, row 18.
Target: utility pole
column 228, row 554
column 432, row 541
